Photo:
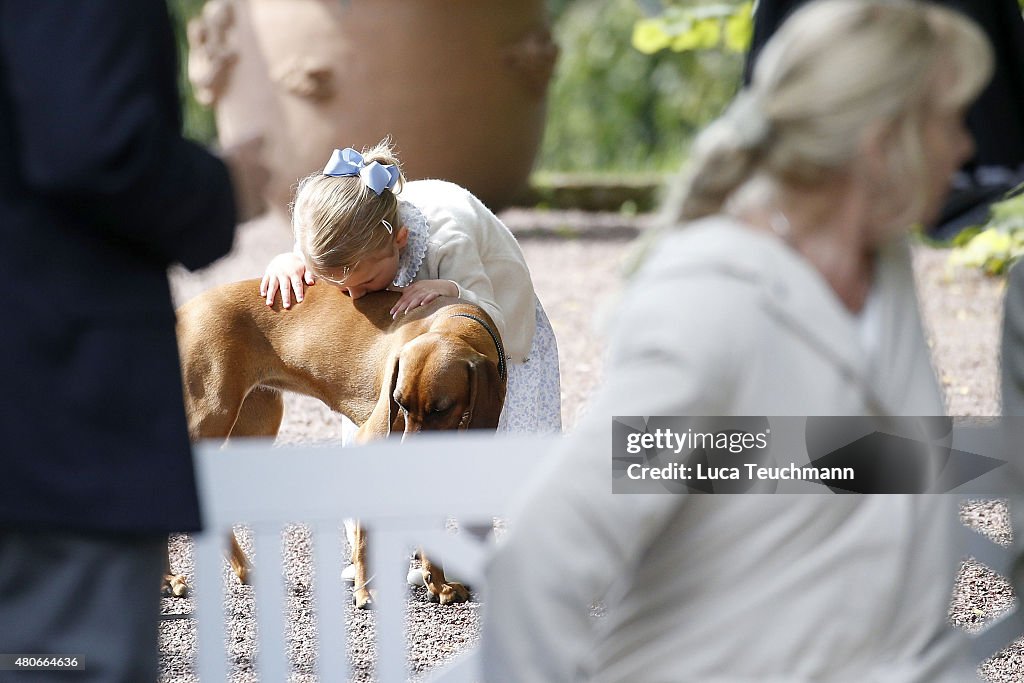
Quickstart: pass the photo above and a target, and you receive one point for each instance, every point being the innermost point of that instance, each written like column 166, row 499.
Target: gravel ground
column 575, row 259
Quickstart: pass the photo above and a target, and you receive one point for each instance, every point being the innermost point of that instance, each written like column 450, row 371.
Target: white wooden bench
column 403, row 493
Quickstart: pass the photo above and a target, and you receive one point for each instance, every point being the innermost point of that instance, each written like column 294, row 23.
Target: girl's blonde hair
column 833, row 71
column 338, row 221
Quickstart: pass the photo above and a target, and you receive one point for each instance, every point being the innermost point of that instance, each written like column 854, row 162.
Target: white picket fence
column 403, row 493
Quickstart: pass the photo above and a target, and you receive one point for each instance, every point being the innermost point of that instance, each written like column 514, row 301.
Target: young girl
column 354, row 231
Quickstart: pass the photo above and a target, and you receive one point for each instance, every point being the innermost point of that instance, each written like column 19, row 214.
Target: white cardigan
column 468, row 245
column 723, row 320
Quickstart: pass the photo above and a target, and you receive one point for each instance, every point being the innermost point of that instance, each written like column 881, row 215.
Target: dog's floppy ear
column 486, row 394
column 396, row 418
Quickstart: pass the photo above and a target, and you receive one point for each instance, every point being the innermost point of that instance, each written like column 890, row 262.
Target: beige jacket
column 723, row 320
column 470, row 246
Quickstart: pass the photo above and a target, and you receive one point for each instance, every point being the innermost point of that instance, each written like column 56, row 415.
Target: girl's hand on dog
column 422, row 292
column 286, row 273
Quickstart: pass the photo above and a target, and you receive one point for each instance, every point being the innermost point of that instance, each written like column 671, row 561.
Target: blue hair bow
column 376, row 176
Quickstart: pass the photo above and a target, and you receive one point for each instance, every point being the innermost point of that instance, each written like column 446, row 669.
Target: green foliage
column 702, row 27
column 557, row 7
column 998, row 244
column 613, row 108
column 198, row 121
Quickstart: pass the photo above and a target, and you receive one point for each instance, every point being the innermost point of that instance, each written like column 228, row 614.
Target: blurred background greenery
column 612, row 109
column 198, row 120
column 635, row 81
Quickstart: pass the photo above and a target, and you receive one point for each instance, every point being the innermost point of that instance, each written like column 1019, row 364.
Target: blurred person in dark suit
column 99, row 194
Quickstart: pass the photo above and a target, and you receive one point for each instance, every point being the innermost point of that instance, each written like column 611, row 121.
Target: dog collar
column 502, row 366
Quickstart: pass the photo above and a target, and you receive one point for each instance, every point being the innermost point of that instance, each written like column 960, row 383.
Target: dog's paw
column 440, row 588
column 363, row 598
column 449, row 593
column 174, row 586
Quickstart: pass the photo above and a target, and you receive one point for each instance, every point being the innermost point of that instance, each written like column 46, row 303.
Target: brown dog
column 441, row 366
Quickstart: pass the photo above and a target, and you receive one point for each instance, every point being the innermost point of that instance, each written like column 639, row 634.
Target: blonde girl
column 359, row 225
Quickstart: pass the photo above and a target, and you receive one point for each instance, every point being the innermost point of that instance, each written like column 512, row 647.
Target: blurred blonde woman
column 783, row 288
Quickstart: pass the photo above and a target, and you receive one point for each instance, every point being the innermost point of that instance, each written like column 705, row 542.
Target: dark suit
column 99, row 194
